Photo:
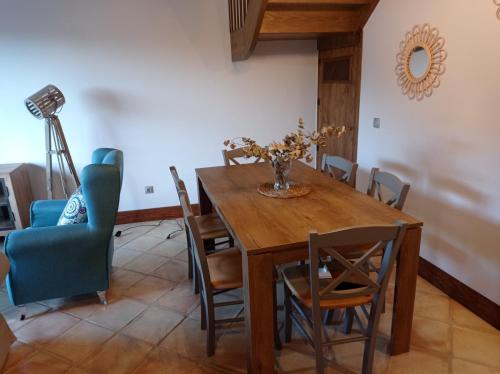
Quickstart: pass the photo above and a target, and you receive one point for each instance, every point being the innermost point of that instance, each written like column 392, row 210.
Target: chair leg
column 210, row 317
column 383, row 304
column 327, row 319
column 277, row 340
column 317, row 339
column 369, row 355
column 203, row 312
column 196, row 276
column 348, row 321
column 370, row 344
column 190, row 265
column 103, row 297
column 288, row 311
column 190, row 254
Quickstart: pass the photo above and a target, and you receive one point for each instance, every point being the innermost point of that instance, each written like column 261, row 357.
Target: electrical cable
column 120, row 232
column 169, row 236
column 180, row 229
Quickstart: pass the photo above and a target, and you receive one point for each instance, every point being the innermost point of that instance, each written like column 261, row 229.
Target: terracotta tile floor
column 152, row 325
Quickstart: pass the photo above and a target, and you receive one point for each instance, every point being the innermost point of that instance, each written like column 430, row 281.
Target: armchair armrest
column 46, row 212
column 42, row 245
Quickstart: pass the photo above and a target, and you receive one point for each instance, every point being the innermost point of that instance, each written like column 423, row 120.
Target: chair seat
column 211, row 226
column 225, row 269
column 298, row 281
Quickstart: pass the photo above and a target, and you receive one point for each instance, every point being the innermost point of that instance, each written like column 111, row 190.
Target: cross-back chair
column 340, row 169
column 210, row 225
column 347, row 284
column 231, row 156
column 380, row 180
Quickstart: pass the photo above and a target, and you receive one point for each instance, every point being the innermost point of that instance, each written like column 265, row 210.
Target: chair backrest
column 332, row 164
column 180, row 186
column 101, row 191
column 379, row 179
column 185, row 203
column 109, row 156
column 196, row 242
column 350, row 277
column 179, row 183
column 232, row 155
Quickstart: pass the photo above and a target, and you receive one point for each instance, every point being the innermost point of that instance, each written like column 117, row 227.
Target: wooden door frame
column 339, row 41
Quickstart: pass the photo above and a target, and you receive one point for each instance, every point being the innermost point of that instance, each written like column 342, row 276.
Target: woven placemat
column 295, row 190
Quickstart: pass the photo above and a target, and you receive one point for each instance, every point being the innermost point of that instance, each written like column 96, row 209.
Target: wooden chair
column 381, row 179
column 347, row 285
column 333, row 164
column 219, row 272
column 378, row 181
column 231, row 156
column 210, row 226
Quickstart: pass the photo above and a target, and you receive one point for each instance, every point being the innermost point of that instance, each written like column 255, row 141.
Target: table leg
column 404, row 292
column 205, row 208
column 204, row 201
column 259, row 319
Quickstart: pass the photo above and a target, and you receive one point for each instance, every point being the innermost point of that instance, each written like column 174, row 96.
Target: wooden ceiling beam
column 367, row 12
column 305, row 3
column 311, row 22
column 293, row 19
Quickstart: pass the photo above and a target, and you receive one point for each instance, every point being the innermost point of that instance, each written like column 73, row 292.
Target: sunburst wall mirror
column 420, row 62
column 497, row 3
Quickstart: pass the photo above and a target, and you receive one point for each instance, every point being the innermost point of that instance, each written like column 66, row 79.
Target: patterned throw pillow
column 75, row 210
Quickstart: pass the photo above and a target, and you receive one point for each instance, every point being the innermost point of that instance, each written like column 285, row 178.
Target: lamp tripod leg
column 58, row 151
column 64, row 147
column 48, row 159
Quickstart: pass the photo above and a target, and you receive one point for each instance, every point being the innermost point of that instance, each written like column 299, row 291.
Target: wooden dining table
column 272, row 231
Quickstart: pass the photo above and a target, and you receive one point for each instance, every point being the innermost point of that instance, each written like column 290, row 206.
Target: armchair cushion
column 75, row 210
column 45, row 213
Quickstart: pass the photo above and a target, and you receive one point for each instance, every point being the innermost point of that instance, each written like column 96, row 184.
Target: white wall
column 447, row 146
column 151, row 77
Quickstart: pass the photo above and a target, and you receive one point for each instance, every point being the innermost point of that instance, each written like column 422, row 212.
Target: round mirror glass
column 419, row 62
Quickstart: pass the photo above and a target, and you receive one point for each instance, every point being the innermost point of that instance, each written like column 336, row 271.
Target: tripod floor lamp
column 46, row 104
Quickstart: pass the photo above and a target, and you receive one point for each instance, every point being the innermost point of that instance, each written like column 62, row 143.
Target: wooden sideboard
column 15, row 197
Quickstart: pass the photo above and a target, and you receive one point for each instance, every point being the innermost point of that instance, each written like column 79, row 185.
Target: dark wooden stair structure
column 254, row 20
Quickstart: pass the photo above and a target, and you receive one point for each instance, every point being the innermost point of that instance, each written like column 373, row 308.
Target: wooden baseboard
column 478, row 304
column 154, row 214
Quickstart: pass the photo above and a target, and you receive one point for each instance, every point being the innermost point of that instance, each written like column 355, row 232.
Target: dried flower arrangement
column 295, row 146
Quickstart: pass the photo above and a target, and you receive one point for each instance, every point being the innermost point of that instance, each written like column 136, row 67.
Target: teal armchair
column 49, row 261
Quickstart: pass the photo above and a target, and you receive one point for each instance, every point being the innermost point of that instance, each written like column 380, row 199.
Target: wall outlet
column 149, row 189
column 376, row 123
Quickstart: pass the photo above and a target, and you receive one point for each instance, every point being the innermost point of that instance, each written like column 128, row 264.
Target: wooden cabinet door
column 339, row 85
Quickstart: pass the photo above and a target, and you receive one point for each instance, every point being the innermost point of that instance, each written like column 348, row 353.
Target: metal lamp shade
column 45, row 102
